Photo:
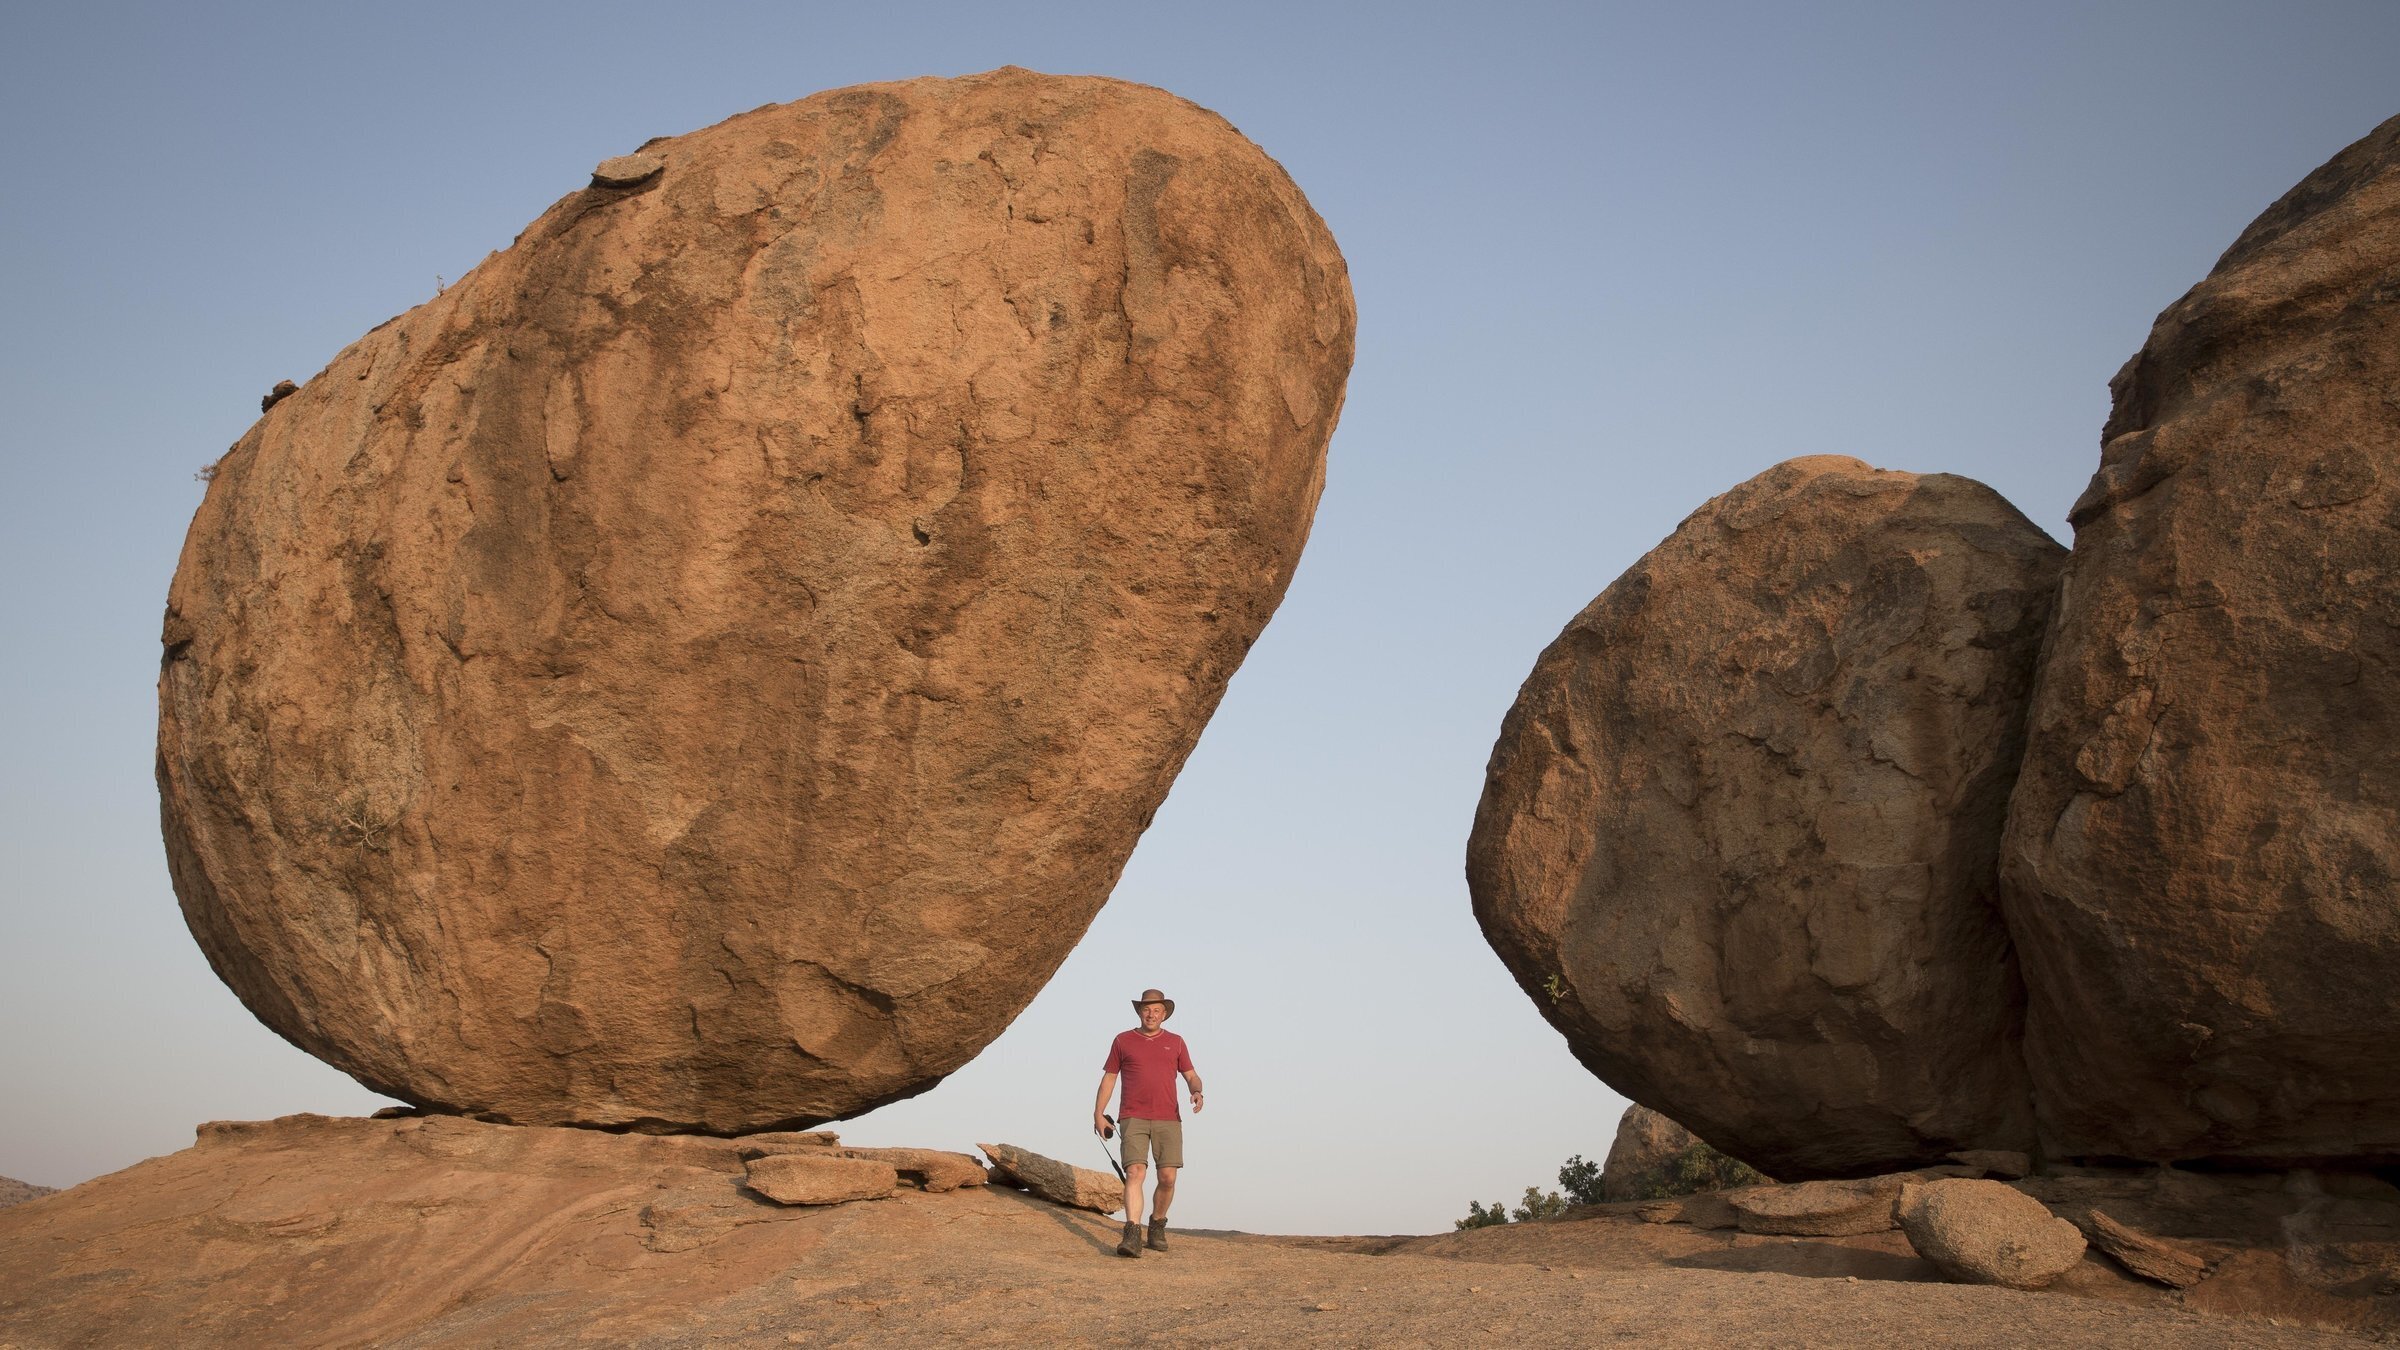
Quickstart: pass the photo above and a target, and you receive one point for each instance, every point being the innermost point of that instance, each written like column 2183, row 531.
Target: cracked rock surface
column 2203, row 842
column 1738, row 835
column 706, row 668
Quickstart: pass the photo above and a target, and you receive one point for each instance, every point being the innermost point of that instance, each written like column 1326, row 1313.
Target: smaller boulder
column 1982, row 1232
column 2153, row 1258
column 816, row 1179
column 1057, row 1182
column 1818, row 1208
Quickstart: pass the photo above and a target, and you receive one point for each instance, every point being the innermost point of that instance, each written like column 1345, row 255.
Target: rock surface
column 1653, row 1158
column 1057, row 1182
column 2202, row 846
column 820, row 1178
column 446, row 1232
column 1818, row 1208
column 15, row 1192
column 1983, row 1232
column 707, row 667
column 1737, row 839
column 930, row 1169
column 2152, row 1258
column 1999, row 1162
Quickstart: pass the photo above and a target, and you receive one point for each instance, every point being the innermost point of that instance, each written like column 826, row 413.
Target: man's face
column 1153, row 1014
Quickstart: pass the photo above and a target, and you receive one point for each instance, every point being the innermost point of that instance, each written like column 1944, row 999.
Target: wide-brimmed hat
column 1153, row 996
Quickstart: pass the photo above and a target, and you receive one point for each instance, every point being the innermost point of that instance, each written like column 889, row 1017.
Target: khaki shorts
column 1159, row 1140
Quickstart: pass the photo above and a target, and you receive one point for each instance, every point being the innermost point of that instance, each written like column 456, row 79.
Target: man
column 1149, row 1057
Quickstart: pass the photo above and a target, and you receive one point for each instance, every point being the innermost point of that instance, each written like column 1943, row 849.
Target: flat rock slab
column 820, row 1179
column 1057, row 1182
column 1818, row 1208
column 2153, row 1258
column 931, row 1169
column 706, row 668
column 1983, row 1232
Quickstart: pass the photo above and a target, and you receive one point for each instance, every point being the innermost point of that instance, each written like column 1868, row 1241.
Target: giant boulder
column 1737, row 839
column 2204, row 842
column 706, row 668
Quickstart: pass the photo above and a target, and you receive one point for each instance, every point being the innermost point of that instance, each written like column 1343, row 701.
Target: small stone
column 283, row 389
column 627, row 171
column 1328, row 1307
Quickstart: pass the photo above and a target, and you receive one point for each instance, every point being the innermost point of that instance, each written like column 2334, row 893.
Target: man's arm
column 1191, row 1080
column 1108, row 1088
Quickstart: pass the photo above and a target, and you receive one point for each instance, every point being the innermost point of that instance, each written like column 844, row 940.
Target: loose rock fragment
column 817, row 1179
column 2152, row 1258
column 627, row 170
column 1057, row 1182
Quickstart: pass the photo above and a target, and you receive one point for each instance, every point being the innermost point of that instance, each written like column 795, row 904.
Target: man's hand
column 1100, row 1124
column 1199, row 1099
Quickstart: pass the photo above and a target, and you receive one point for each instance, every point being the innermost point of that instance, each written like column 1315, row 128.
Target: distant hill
column 15, row 1192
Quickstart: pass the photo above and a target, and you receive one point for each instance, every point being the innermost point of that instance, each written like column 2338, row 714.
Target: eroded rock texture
column 1737, row 839
column 706, row 668
column 2204, row 840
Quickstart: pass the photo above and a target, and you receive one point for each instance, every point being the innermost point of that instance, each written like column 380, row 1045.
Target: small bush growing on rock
column 1479, row 1217
column 1698, row 1168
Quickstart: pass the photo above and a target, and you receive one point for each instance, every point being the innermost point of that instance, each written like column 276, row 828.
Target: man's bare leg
column 1165, row 1194
column 1134, row 1173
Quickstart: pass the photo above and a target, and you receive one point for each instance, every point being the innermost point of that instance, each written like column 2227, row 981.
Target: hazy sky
column 1610, row 260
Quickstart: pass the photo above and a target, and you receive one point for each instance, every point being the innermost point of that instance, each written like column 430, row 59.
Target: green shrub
column 1540, row 1205
column 1698, row 1168
column 1580, row 1180
column 1479, row 1217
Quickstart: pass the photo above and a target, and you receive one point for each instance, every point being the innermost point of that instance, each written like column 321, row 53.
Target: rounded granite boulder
column 706, row 668
column 1738, row 835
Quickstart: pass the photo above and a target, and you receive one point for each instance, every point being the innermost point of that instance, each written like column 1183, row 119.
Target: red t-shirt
column 1149, row 1065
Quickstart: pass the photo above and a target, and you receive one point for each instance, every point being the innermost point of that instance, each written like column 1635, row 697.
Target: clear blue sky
column 1610, row 260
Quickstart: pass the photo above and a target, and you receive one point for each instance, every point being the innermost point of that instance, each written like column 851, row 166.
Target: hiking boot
column 1131, row 1243
column 1158, row 1235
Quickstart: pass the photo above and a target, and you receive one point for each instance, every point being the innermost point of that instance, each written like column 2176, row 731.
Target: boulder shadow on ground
column 1104, row 1242
column 1812, row 1260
